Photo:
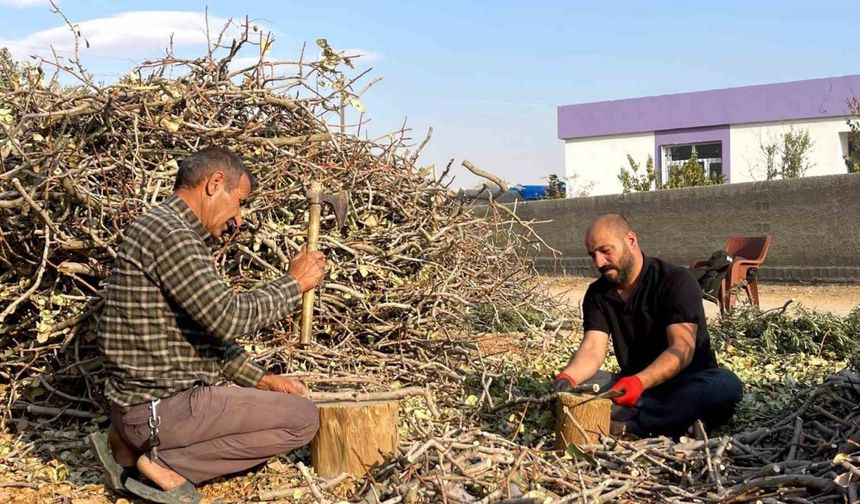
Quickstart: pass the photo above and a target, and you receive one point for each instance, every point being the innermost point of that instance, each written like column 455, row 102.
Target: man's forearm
column 666, row 366
column 583, row 365
column 239, row 368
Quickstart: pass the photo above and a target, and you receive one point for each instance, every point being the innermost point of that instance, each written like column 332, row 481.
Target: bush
column 852, row 159
column 633, row 181
column 781, row 332
column 690, row 174
column 789, row 160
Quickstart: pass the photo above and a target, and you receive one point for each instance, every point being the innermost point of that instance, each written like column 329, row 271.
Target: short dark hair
column 194, row 169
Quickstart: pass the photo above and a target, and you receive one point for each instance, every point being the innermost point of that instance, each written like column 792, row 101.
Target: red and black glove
column 563, row 383
column 632, row 387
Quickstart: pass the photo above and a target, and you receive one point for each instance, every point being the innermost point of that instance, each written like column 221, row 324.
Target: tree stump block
column 353, row 436
column 580, row 419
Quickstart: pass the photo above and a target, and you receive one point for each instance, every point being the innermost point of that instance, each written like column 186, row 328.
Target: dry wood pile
column 811, row 451
column 79, row 163
column 413, row 271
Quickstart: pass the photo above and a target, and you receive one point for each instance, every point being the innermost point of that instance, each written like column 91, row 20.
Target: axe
column 340, row 204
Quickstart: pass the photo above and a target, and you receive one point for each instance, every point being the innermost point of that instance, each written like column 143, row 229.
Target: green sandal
column 115, row 474
column 182, row 494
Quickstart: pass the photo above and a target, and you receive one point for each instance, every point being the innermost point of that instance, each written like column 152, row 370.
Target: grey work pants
column 669, row 409
column 211, row 431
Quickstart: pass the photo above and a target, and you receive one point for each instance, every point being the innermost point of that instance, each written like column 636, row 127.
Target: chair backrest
column 753, row 248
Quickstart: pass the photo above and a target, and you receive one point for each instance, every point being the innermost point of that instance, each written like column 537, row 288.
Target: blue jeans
column 671, row 408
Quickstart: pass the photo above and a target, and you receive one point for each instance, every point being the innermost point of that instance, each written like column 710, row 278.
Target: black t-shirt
column 665, row 294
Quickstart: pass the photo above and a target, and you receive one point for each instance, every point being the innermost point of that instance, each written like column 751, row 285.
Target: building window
column 709, row 155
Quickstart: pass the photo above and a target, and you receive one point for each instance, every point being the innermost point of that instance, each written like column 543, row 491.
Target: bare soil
column 836, row 298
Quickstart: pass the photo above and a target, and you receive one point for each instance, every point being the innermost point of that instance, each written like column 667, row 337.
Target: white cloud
column 123, row 35
column 23, row 4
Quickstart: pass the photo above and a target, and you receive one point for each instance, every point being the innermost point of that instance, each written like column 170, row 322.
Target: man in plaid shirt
column 167, row 335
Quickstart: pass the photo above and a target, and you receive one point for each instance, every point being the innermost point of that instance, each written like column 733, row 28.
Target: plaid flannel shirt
column 170, row 320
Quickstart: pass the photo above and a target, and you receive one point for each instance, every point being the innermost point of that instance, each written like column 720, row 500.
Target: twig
column 36, row 283
column 37, row 208
column 325, row 397
column 814, row 482
column 713, row 471
column 315, row 491
column 795, row 439
column 44, row 410
column 489, row 176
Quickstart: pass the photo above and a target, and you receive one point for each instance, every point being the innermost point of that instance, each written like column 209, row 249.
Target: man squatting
column 653, row 312
column 167, row 336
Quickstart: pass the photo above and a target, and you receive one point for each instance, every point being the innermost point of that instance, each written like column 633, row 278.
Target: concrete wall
column 598, row 160
column 829, row 144
column 814, row 221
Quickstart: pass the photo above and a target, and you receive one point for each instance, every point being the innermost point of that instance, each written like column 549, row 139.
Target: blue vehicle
column 531, row 192
column 517, row 192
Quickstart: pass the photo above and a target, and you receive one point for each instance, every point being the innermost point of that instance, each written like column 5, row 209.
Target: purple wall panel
column 694, row 135
column 807, row 99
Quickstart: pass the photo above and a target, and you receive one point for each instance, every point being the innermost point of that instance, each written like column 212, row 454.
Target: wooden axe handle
column 311, row 245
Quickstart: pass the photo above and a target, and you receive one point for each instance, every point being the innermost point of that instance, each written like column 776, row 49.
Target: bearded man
column 653, row 312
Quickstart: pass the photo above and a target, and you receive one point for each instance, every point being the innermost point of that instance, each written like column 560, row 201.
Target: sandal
column 115, row 474
column 181, row 494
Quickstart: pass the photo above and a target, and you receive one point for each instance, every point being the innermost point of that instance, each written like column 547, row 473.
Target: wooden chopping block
column 353, row 436
column 580, row 419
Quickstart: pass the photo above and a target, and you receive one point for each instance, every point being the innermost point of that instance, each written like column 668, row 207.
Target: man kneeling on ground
column 653, row 312
column 167, row 335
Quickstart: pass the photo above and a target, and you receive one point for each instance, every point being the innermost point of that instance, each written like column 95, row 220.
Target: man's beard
column 623, row 269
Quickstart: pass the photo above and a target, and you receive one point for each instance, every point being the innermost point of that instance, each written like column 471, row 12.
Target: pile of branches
column 80, row 162
column 811, row 451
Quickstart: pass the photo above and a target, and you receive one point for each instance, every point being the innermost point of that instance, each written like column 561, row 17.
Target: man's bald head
column 614, row 248
column 615, row 223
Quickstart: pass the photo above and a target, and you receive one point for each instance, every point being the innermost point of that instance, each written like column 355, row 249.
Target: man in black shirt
column 653, row 312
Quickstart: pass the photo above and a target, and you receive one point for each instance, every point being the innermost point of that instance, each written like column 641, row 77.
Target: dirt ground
column 835, row 298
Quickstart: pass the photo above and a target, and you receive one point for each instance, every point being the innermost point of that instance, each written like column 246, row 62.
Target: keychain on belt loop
column 154, row 422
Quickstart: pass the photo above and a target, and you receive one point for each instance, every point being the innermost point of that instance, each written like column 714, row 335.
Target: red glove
column 563, row 383
column 633, row 388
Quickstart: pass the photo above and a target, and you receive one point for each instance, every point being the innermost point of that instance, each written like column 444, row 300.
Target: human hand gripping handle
column 631, row 389
column 563, row 383
column 307, row 268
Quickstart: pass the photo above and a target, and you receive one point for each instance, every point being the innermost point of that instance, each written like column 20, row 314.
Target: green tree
column 556, row 188
column 790, row 158
column 633, row 181
column 691, row 174
column 852, row 159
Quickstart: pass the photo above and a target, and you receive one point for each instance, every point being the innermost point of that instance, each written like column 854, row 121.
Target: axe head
column 339, row 203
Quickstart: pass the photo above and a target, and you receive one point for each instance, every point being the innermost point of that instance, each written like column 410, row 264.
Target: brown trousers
column 211, row 431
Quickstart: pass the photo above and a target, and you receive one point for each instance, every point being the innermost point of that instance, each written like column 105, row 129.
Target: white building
column 727, row 128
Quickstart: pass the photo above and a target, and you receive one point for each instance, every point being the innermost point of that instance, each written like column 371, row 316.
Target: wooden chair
column 749, row 252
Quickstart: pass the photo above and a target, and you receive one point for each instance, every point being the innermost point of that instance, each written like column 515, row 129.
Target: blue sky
column 488, row 76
